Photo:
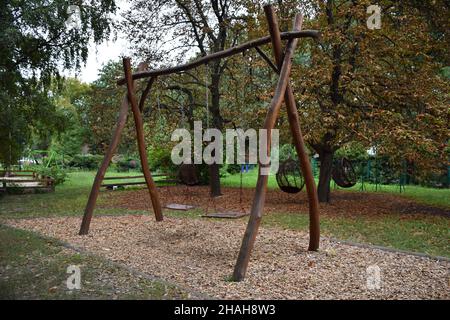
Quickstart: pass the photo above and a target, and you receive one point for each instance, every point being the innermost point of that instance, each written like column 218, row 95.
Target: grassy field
column 32, row 267
column 68, row 200
column 428, row 235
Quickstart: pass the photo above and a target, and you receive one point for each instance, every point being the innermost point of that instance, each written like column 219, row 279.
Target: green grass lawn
column 429, row 234
column 426, row 234
column 68, row 200
column 32, row 267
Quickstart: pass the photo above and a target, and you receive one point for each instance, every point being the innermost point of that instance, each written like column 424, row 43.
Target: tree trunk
column 214, row 180
column 326, row 166
column 217, row 122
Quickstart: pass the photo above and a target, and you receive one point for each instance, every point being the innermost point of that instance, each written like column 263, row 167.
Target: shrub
column 233, row 168
column 352, row 151
column 58, row 174
column 160, row 160
column 287, row 151
column 128, row 163
column 88, row 161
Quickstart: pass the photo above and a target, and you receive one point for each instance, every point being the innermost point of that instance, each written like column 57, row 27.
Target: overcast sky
column 100, row 54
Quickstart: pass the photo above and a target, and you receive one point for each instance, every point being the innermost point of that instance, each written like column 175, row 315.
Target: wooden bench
column 21, row 180
column 136, row 183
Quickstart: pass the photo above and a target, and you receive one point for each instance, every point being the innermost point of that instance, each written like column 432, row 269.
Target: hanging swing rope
column 241, row 200
column 207, row 94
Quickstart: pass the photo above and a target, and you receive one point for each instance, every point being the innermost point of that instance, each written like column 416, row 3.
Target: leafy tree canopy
column 34, row 43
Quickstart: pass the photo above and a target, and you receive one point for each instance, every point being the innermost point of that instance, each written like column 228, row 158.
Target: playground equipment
column 51, row 158
column 344, row 174
column 283, row 92
column 289, row 177
column 225, row 213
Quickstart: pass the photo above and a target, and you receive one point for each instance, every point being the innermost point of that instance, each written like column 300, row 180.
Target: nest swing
column 344, row 174
column 289, row 177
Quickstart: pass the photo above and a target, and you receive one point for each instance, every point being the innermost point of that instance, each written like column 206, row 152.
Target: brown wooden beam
column 221, row 54
column 294, row 124
column 145, row 93
column 267, row 59
column 123, row 178
column 261, row 185
column 88, row 211
column 141, row 141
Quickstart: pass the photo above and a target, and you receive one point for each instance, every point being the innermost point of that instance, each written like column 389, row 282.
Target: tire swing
column 344, row 174
column 289, row 177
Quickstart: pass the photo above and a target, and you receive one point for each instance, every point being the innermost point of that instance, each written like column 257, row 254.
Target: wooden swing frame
column 283, row 92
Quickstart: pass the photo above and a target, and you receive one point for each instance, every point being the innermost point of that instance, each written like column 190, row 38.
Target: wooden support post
column 88, row 211
column 261, row 186
column 141, row 141
column 294, row 123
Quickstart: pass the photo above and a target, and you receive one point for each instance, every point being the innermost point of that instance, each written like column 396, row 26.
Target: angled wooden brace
column 261, row 185
column 141, row 140
column 294, row 124
column 121, row 122
column 88, row 211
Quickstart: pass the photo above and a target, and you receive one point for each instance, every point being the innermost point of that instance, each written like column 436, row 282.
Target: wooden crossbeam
column 220, row 55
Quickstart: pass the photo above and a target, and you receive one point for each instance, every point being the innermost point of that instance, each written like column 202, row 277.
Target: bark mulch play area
column 343, row 203
column 200, row 254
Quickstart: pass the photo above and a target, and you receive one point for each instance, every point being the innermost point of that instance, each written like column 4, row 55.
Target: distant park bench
column 25, row 181
column 110, row 184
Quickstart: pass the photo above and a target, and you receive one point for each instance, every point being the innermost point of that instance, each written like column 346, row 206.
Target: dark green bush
column 58, row 174
column 233, row 168
column 127, row 164
column 160, row 160
column 87, row 162
column 287, row 151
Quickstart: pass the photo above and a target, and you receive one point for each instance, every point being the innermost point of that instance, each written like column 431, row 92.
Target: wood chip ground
column 200, row 254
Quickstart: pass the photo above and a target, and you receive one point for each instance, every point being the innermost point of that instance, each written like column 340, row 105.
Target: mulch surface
column 347, row 204
column 200, row 254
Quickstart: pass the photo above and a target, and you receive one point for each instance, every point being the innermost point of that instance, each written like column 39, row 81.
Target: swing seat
column 226, row 215
column 344, row 174
column 179, row 207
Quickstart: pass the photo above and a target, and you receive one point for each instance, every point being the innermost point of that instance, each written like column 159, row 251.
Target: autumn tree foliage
column 104, row 98
column 381, row 87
